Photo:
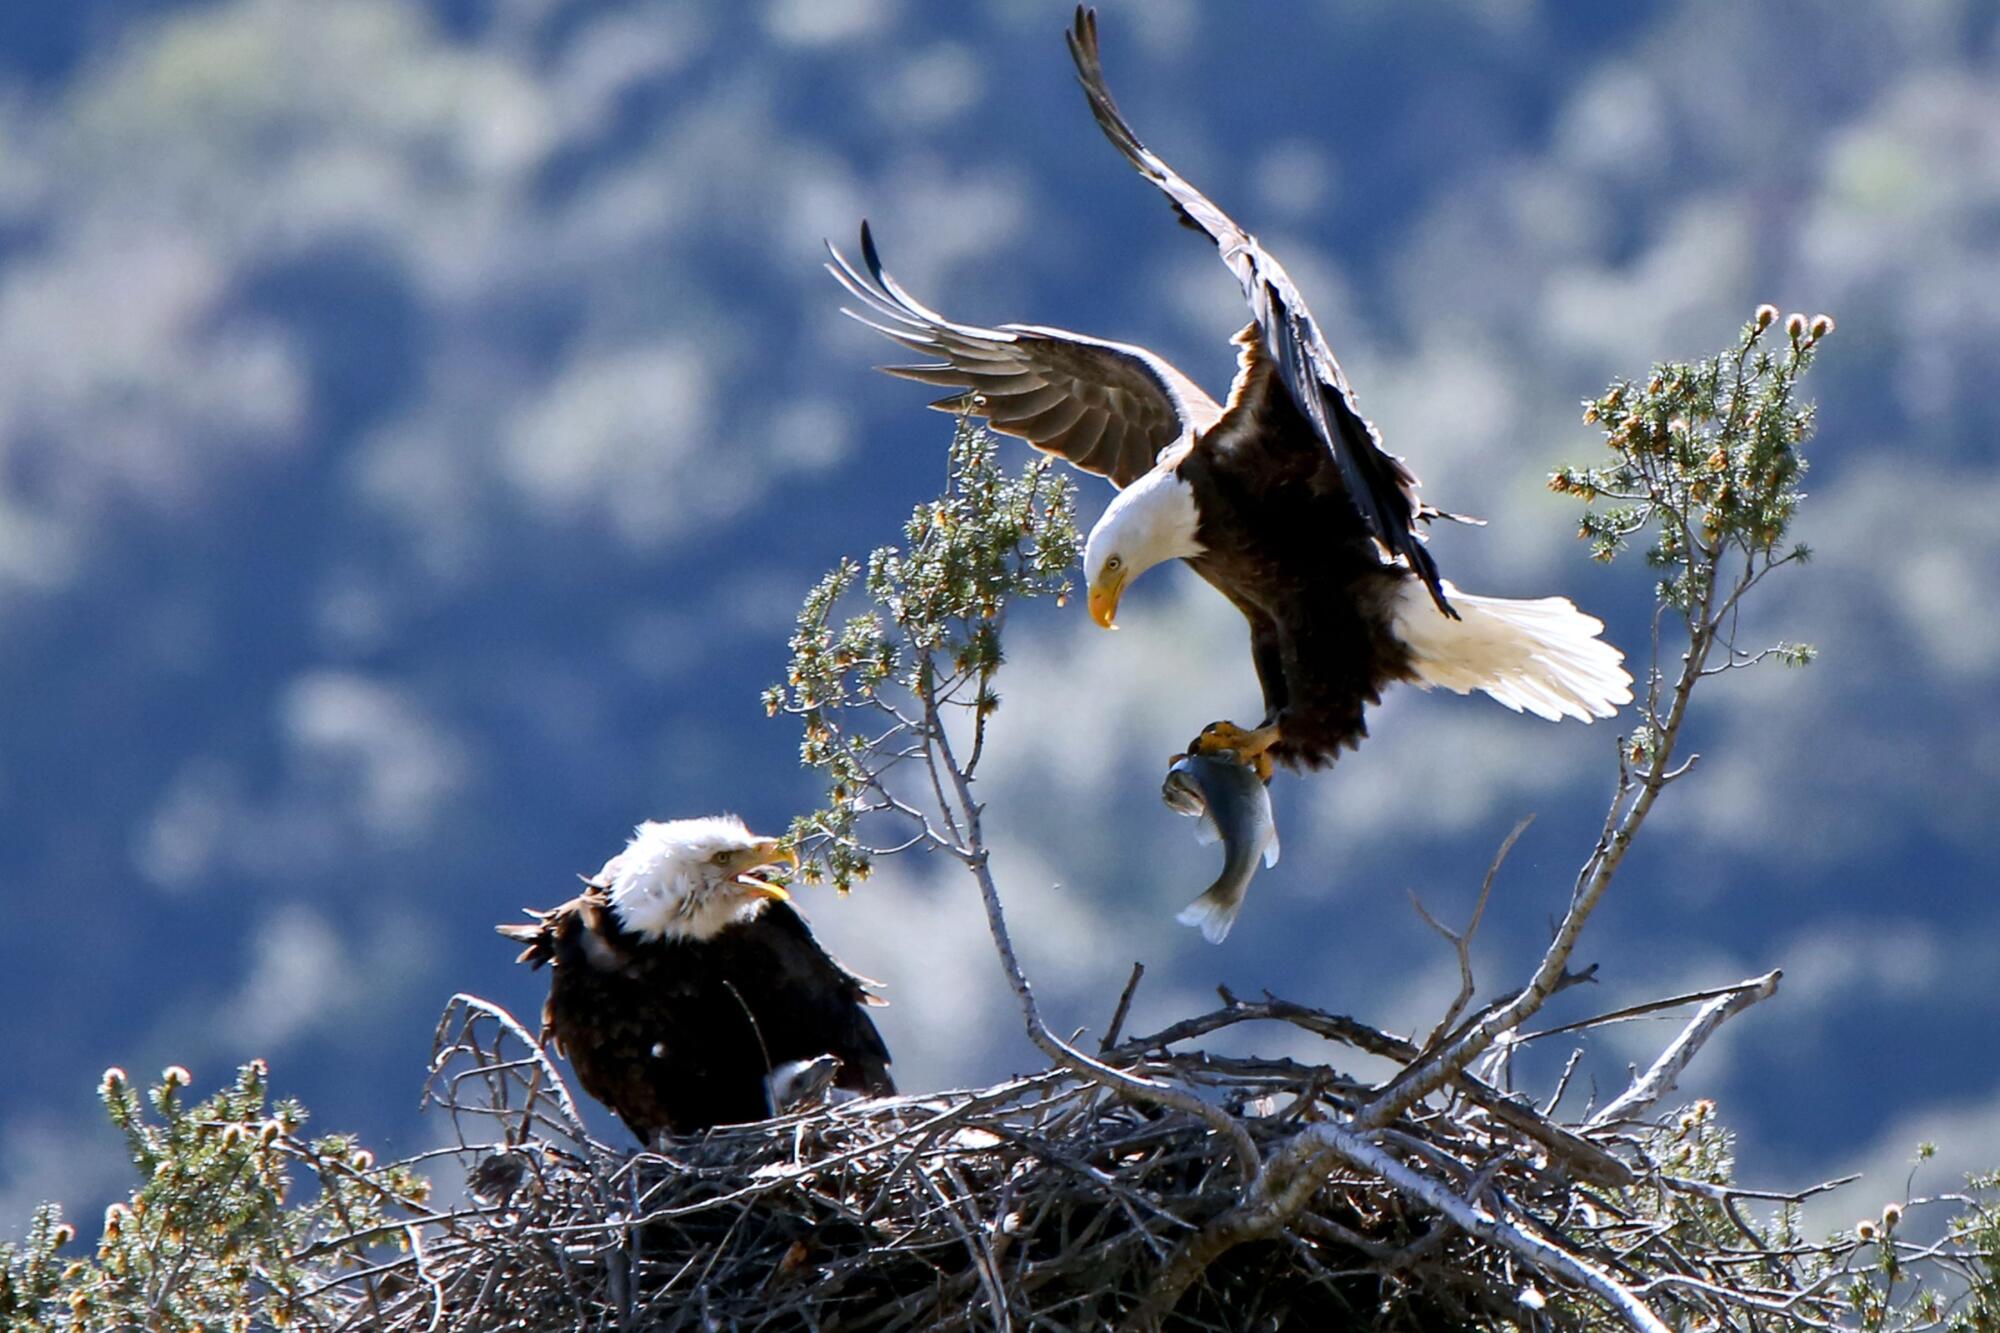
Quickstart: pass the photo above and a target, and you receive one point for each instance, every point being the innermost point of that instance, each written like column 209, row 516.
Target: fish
column 1234, row 808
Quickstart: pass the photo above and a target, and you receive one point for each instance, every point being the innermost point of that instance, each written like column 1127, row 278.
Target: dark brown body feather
column 1286, row 545
column 681, row 1035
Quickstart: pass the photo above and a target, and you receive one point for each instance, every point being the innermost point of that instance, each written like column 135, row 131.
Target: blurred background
column 419, row 422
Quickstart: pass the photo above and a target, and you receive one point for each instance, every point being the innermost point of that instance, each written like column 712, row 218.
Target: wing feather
column 1089, row 440
column 827, row 1000
column 1106, row 408
column 1053, row 421
column 1020, row 403
column 1382, row 489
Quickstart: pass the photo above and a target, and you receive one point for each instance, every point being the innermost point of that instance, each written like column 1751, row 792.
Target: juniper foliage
column 238, row 1221
column 1707, row 457
column 927, row 639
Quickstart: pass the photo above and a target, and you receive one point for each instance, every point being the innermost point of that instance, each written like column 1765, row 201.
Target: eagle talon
column 1226, row 740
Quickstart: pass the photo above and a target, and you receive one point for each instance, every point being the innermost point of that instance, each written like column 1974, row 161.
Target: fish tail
column 1542, row 655
column 1213, row 914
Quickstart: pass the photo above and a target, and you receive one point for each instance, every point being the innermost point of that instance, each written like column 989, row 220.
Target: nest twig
column 1046, row 1202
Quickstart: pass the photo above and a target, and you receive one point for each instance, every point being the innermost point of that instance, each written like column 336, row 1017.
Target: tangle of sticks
column 1052, row 1202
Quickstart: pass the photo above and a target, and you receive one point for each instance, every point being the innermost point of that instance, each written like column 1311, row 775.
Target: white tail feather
column 1541, row 656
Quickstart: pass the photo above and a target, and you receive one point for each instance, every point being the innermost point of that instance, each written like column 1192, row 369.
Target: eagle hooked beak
column 1104, row 596
column 767, row 852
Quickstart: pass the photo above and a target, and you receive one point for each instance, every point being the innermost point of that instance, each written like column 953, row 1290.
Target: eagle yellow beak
column 1104, row 599
column 757, row 888
column 772, row 851
column 767, row 852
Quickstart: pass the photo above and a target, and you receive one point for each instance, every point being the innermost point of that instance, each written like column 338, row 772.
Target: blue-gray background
column 418, row 424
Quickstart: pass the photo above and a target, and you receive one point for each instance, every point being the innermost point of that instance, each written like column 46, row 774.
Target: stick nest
column 1045, row 1202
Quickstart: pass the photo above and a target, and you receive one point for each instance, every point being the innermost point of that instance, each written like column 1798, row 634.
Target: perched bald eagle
column 683, row 983
column 1282, row 497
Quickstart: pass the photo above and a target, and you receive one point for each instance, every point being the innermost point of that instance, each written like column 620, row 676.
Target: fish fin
column 1213, row 914
column 1271, row 851
column 1205, row 830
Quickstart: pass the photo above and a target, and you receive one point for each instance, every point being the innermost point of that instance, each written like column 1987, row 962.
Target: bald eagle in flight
column 683, row 983
column 1282, row 497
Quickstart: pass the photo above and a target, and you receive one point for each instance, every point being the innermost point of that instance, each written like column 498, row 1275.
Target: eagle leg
column 1226, row 740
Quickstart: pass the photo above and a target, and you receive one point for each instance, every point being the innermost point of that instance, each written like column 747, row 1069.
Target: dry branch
column 1658, row 1081
column 1048, row 1201
column 1054, row 1201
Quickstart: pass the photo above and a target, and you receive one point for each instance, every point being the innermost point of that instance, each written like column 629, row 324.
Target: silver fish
column 1235, row 808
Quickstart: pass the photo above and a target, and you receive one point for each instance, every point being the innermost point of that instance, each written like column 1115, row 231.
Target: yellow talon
column 1245, row 747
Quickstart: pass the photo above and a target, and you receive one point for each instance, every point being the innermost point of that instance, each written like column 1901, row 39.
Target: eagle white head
column 1153, row 519
column 687, row 879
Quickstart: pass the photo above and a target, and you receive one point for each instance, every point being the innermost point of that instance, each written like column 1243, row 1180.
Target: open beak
column 767, row 853
column 757, row 888
column 1104, row 600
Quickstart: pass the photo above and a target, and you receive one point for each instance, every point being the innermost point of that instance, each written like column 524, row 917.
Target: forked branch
column 1706, row 457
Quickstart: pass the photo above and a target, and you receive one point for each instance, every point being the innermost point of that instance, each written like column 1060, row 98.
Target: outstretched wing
column 1105, row 407
column 1381, row 487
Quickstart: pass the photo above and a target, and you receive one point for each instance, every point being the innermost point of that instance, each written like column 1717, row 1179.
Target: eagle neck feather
column 1155, row 519
column 658, row 892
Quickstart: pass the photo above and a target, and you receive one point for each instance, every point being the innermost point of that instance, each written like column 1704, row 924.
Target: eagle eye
column 721, row 858
column 1114, row 562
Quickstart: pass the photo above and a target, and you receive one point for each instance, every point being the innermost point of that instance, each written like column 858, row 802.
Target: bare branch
column 1659, row 1080
column 1461, row 941
column 1295, row 1175
column 1062, row 1052
column 1633, row 1011
column 1433, row 1072
column 1117, row 1024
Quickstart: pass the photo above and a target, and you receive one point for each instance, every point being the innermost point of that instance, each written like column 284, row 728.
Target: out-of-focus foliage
column 238, row 1221
column 859, row 686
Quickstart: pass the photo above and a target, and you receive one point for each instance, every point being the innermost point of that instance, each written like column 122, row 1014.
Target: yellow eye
column 1115, row 562
column 721, row 858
